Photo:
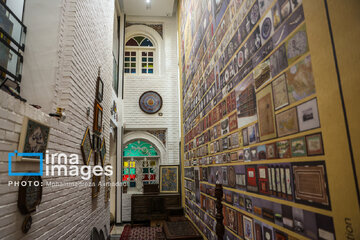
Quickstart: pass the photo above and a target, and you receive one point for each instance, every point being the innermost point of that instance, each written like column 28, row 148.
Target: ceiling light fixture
column 148, row 4
column 147, row 1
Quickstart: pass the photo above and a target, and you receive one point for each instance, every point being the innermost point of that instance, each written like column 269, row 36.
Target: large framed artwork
column 150, row 102
column 86, row 147
column 169, row 179
column 34, row 138
column 310, row 183
column 266, row 116
column 98, row 117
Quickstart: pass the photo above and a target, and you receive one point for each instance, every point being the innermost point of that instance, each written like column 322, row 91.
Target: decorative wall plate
column 150, row 102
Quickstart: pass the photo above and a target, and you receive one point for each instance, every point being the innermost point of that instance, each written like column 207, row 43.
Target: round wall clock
column 30, row 194
column 150, row 102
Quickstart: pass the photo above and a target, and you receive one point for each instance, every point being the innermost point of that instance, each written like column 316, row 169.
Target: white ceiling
column 138, row 7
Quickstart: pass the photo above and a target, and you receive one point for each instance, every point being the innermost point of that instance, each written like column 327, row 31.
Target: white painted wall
column 165, row 82
column 67, row 41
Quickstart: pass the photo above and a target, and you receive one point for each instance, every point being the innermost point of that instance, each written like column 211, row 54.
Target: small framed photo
column 270, row 151
column 298, row 147
column 34, row 138
column 248, row 228
column 308, row 115
column 245, row 137
column 283, row 149
column 314, row 144
column 99, row 89
column 98, row 117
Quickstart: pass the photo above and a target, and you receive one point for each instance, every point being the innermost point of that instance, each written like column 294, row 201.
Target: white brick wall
column 85, row 43
column 166, row 84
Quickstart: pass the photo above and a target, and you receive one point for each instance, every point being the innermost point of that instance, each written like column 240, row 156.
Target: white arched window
column 139, row 55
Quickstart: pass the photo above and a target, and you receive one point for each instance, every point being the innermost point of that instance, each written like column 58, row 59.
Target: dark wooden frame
column 86, row 135
column 22, row 204
column 97, row 110
column 102, row 146
column 99, row 92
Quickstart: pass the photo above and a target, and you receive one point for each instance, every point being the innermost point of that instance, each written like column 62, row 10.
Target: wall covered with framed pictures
column 259, row 97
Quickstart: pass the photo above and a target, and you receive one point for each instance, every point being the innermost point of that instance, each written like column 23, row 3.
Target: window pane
column 145, row 170
column 151, row 65
column 144, row 53
column 133, row 70
column 146, row 43
column 127, row 53
column 151, row 71
column 131, row 42
column 133, row 54
column 150, row 54
column 143, row 71
column 132, row 177
column 132, row 171
column 127, row 70
column 144, row 65
column 133, row 59
column 144, row 59
column 126, row 164
column 132, row 184
column 150, row 59
column 127, row 59
column 127, row 64
column 139, row 39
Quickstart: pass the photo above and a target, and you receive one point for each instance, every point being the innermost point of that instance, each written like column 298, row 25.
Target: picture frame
column 287, row 122
column 245, row 137
column 98, row 118
column 298, row 147
column 103, row 152
column 169, row 178
column 308, row 115
column 248, row 228
column 99, row 89
column 86, row 147
column 314, row 144
column 34, row 138
column 283, row 149
column 266, row 115
column 271, row 151
column 95, row 189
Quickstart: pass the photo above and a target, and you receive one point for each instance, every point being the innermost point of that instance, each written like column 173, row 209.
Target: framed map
column 266, row 114
column 169, row 179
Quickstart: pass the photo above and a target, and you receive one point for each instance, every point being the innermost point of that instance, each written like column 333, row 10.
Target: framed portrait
column 99, row 89
column 298, row 147
column 314, row 144
column 86, row 147
column 95, row 186
column 287, row 123
column 248, row 228
column 34, row 138
column 98, row 118
column 103, row 151
column 310, row 184
column 169, row 179
column 280, row 92
column 232, row 219
column 265, row 110
column 308, row 115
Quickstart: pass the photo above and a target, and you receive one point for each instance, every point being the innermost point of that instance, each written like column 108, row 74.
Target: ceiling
column 157, row 7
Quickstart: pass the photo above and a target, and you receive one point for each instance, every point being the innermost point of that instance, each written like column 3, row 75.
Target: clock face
column 30, row 194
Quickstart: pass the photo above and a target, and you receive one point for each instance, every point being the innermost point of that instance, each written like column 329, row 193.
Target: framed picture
column 103, row 152
column 308, row 115
column 251, row 179
column 298, row 147
column 248, row 228
column 86, row 147
column 95, row 186
column 107, row 188
column 99, row 89
column 310, row 184
column 265, row 110
column 169, row 179
column 34, row 138
column 314, row 144
column 245, row 137
column 283, row 149
column 280, row 92
column 98, row 117
column 268, row 234
column 240, row 225
column 150, row 102
column 241, row 180
column 252, row 134
column 270, row 151
column 287, row 123
column 233, row 122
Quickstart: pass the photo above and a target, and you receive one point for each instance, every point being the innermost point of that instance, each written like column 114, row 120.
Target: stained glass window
column 143, row 60
column 139, row 149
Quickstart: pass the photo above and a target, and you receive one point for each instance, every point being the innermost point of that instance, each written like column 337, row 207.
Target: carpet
column 139, row 233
